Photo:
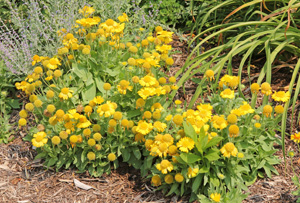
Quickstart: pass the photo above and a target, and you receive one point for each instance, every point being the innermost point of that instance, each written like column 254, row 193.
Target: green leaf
column 137, row 153
column 214, row 141
column 125, row 155
column 89, row 92
column 182, row 189
column 80, row 71
column 212, row 155
column 189, row 131
column 261, row 164
column 14, row 103
column 197, row 182
column 205, row 169
column 99, row 84
column 40, row 155
column 133, row 113
column 52, row 161
column 149, row 161
column 189, row 158
column 173, row 188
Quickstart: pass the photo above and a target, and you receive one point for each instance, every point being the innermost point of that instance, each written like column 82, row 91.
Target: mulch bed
column 23, row 179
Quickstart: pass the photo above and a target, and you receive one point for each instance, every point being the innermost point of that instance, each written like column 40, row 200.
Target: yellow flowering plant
column 102, row 99
column 223, row 144
column 89, row 99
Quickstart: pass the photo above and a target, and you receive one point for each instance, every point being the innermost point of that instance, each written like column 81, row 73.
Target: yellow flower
column 267, row 110
column 159, row 126
column 229, row 150
column 209, row 74
column 240, row 155
column 279, row 109
column 107, row 109
column 111, row 157
column 160, row 150
column 39, row 139
column 91, row 156
column 88, row 22
column 233, row 131
column 148, row 81
column 65, row 93
column 112, row 122
column 106, row 86
column 164, row 166
column 266, row 88
column 123, row 86
column 281, row 96
column 178, row 119
column 243, row 110
column 73, row 139
column 254, row 88
column 227, row 94
column 144, row 128
column 179, row 177
column 97, row 136
column 22, row 122
column 219, row 122
column 296, row 137
column 140, row 103
column 169, row 61
column 23, row 114
column 216, row 197
column 86, row 11
column 63, row 135
column 185, row 144
column 192, row 172
column 231, row 118
column 91, row 142
column 257, row 125
column 146, row 92
column 55, row 140
column 168, row 117
column 98, row 100
column 169, row 179
column 124, row 18
column 156, row 180
column 53, row 63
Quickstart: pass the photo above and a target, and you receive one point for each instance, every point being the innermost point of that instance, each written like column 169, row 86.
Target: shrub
column 100, row 100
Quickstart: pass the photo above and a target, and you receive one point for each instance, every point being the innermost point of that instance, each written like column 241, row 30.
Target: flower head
column 39, row 139
column 185, row 144
column 229, row 150
column 144, row 127
column 164, row 166
column 192, row 172
column 156, row 180
column 266, row 88
column 65, row 93
column 227, row 94
column 296, row 137
column 254, row 88
column 216, row 197
column 210, row 75
column 267, row 110
column 281, row 96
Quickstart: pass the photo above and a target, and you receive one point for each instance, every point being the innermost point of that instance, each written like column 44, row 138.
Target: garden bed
column 23, row 179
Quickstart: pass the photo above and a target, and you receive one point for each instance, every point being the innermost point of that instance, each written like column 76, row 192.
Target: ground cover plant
column 100, row 100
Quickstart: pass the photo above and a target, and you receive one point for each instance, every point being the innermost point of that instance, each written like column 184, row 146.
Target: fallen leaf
column 15, row 180
column 82, row 185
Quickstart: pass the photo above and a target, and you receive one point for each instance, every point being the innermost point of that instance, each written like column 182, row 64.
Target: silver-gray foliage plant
column 35, row 31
